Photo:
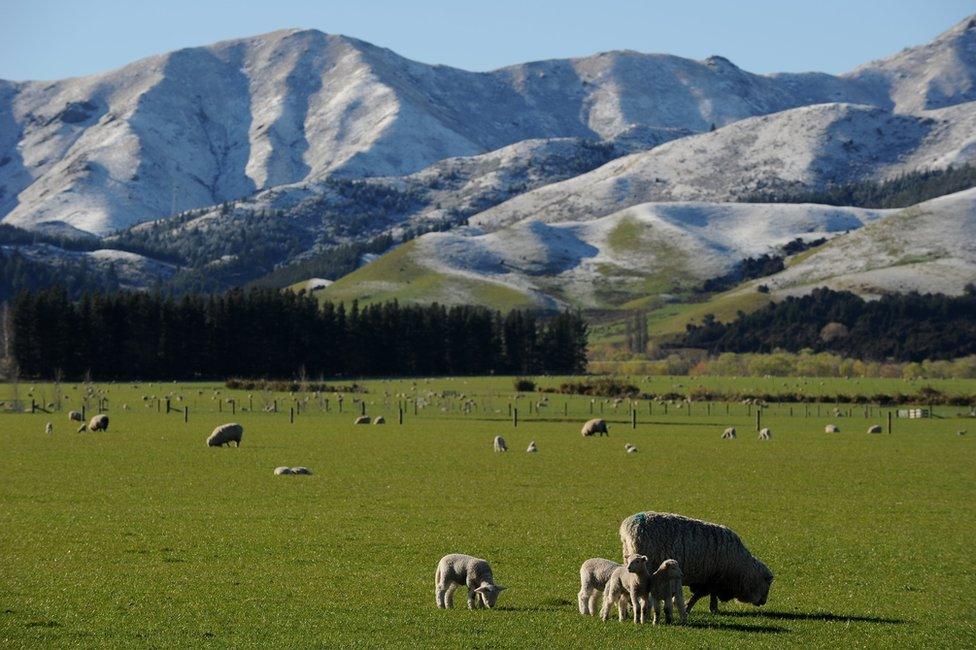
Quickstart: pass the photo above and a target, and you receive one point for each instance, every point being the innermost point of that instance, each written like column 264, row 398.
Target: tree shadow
column 814, row 616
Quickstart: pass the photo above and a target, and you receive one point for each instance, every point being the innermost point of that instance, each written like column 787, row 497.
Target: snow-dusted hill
column 809, row 146
column 652, row 249
column 202, row 126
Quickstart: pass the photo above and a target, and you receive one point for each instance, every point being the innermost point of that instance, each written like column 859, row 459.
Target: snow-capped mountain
column 202, row 126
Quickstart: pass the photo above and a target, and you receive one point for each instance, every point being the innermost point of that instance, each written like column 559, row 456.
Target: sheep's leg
column 592, row 603
column 713, row 604
column 622, row 608
column 605, row 610
column 694, row 599
column 583, row 599
column 449, row 596
column 668, row 612
column 679, row 600
column 635, row 606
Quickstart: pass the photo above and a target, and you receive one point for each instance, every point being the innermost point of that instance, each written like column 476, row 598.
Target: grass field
column 143, row 536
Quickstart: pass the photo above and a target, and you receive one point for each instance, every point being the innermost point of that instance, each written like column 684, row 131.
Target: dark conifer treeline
column 902, row 327
column 272, row 334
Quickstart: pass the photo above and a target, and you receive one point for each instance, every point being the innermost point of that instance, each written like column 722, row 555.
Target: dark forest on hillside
column 273, row 334
column 902, row 327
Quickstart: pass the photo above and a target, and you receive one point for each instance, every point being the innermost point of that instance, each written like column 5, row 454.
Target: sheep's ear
column 481, row 590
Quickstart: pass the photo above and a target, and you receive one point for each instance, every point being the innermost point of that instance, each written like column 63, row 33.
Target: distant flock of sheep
column 662, row 554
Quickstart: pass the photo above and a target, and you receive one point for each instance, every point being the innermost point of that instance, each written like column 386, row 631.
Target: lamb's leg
column 583, row 599
column 636, row 607
column 473, row 600
column 679, row 600
column 657, row 611
column 622, row 607
column 668, row 613
column 438, row 589
column 592, row 609
column 605, row 610
column 449, row 596
column 713, row 604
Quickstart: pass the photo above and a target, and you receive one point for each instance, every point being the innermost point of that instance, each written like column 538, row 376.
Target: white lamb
column 594, row 575
column 458, row 569
column 628, row 584
column 49, row 428
column 499, row 444
column 532, row 448
column 665, row 587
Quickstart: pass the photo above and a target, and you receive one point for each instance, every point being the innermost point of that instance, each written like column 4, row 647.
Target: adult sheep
column 226, row 434
column 75, row 416
column 831, row 428
column 98, row 423
column 362, row 419
column 713, row 559
column 594, row 427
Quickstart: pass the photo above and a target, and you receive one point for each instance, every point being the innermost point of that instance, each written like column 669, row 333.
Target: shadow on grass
column 814, row 616
column 737, row 627
column 547, row 605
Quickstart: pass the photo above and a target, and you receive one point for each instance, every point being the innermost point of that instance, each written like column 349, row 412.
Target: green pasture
column 144, row 537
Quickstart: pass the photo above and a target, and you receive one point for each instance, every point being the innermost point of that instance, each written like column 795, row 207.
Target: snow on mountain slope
column 929, row 247
column 809, row 146
column 134, row 271
column 202, row 126
column 654, row 248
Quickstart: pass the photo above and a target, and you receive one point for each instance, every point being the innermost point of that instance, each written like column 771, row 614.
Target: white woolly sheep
column 874, row 428
column 226, row 434
column 280, row 471
column 362, row 419
column 499, row 444
column 729, row 434
column 531, row 449
column 831, row 428
column 765, row 434
column 379, row 420
column 594, row 427
column 458, row 569
column 627, row 584
column 713, row 559
column 75, row 416
column 630, row 449
column 665, row 587
column 49, row 428
column 594, row 575
column 98, row 423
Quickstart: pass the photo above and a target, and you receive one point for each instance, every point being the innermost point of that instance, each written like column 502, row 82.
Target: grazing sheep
column 531, row 449
column 98, row 423
column 459, row 569
column 226, row 434
column 630, row 449
column 280, row 471
column 712, row 558
column 831, row 428
column 665, row 587
column 362, row 419
column 83, row 428
column 379, row 420
column 627, row 584
column 302, row 471
column 765, row 434
column 75, row 416
column 594, row 575
column 874, row 428
column 594, row 427
column 49, row 428
column 960, row 433
column 729, row 434
column 499, row 444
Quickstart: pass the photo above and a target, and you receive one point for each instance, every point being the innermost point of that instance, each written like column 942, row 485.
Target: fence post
column 889, row 423
column 362, row 407
column 400, row 413
column 758, row 418
column 291, row 415
column 515, row 417
column 633, row 418
column 186, row 414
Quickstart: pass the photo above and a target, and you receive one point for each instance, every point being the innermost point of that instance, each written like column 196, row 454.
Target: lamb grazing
column 98, row 423
column 628, row 584
column 226, row 434
column 594, row 427
column 532, row 449
column 960, row 433
column 49, row 428
column 459, row 569
column 665, row 588
column 75, row 416
column 874, row 428
column 594, row 575
column 712, row 558
column 499, row 444
column 281, row 471
column 831, row 428
column 729, row 434
column 362, row 419
column 765, row 434
column 301, row 471
column 379, row 420
column 630, row 449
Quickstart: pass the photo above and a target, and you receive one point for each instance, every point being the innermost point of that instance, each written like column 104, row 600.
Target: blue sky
column 50, row 39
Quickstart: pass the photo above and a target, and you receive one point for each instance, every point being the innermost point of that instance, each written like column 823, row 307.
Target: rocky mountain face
column 252, row 155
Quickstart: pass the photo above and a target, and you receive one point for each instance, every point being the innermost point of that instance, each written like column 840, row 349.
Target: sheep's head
column 637, row 563
column 669, row 570
column 756, row 587
column 489, row 593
